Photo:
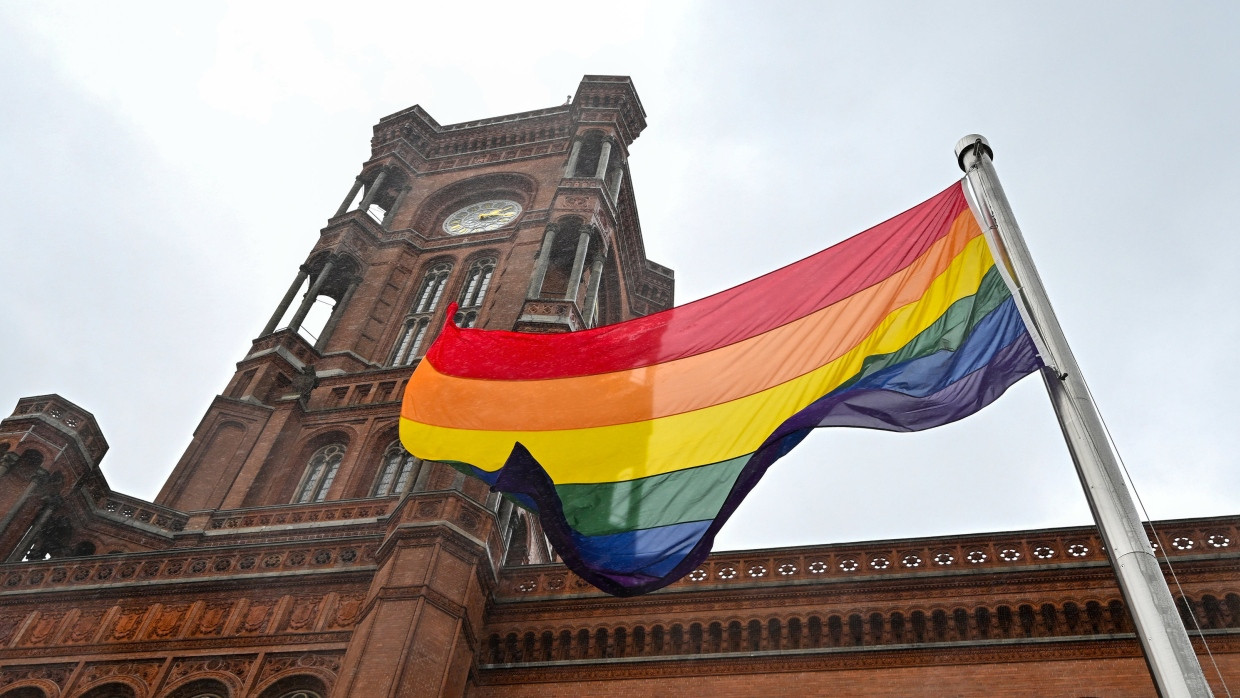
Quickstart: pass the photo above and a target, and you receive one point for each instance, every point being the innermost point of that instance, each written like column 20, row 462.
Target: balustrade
column 142, row 567
column 133, row 509
column 911, row 558
column 299, row 513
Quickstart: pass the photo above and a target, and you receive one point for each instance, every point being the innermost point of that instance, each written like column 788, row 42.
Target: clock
column 482, row 217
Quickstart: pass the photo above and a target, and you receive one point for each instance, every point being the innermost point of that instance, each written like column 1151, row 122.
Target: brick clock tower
column 296, row 548
column 297, row 551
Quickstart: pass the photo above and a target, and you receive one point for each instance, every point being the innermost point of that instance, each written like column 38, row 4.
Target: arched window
column 474, row 291
column 588, row 157
column 52, row 540
column 202, row 688
column 982, row 615
column 917, row 623
column 1119, row 616
column 412, row 337
column 518, row 541
column 83, row 548
column 897, row 627
column 560, row 259
column 296, row 687
column 397, row 471
column 320, row 472
column 377, row 193
column 1233, row 610
column 111, row 690
column 329, row 281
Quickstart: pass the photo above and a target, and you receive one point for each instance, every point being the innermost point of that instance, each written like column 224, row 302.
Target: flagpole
column 1168, row 652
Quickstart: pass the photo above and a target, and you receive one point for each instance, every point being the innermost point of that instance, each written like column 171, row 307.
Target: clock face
column 482, row 216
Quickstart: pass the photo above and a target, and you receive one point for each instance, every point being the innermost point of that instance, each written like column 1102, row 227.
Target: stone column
column 47, row 508
column 344, row 206
column 20, row 512
column 311, row 294
column 579, row 265
column 281, row 309
column 544, row 260
column 614, row 189
column 571, row 168
column 337, row 312
column 372, row 192
column 11, row 514
column 7, row 461
column 596, row 277
column 391, row 212
column 603, row 156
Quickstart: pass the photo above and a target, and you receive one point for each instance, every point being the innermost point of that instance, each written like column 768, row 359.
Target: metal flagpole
column 1168, row 652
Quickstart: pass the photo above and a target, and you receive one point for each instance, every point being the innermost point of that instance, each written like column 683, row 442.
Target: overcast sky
column 166, row 167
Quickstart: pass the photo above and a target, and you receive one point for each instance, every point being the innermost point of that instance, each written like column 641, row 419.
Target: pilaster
column 419, row 628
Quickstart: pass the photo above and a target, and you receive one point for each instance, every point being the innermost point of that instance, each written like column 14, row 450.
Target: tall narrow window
column 397, row 471
column 413, row 335
column 474, row 291
column 411, row 338
column 320, row 472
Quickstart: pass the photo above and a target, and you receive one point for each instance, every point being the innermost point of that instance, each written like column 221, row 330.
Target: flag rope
column 1162, row 548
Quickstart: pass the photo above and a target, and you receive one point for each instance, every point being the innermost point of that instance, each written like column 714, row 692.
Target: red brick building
column 297, row 550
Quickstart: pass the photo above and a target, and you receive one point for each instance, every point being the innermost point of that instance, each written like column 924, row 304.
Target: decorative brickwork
column 55, row 574
column 933, row 558
column 42, row 676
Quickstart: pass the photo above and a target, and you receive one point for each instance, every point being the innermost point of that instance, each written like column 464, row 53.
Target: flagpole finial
column 965, row 150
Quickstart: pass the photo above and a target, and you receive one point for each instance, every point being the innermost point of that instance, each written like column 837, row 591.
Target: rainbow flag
column 635, row 442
